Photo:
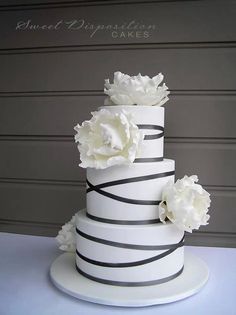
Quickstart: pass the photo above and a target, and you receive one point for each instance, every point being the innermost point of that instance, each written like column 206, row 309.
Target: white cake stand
column 66, row 278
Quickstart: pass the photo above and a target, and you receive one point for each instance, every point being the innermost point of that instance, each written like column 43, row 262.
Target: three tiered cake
column 132, row 230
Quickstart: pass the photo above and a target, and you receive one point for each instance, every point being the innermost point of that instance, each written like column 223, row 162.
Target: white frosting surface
column 152, row 234
column 159, row 269
column 149, row 189
column 144, row 234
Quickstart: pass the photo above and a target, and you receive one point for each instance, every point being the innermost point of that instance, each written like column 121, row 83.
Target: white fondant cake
column 132, row 230
column 120, row 239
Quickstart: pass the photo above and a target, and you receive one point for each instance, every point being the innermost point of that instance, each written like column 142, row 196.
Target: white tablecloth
column 26, row 289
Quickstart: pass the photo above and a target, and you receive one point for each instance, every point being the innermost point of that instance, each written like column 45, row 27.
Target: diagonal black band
column 125, row 245
column 148, row 160
column 122, row 222
column 123, row 199
column 147, row 126
column 130, row 284
column 98, row 187
column 133, row 263
column 154, row 136
column 133, row 179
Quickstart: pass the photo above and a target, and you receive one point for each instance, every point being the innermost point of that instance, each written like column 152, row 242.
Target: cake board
column 66, row 278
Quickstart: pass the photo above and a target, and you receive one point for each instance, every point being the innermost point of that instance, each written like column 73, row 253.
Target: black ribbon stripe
column 125, row 245
column 152, row 127
column 98, row 187
column 133, row 263
column 130, row 284
column 148, row 126
column 123, row 199
column 133, row 180
column 148, row 160
column 123, row 222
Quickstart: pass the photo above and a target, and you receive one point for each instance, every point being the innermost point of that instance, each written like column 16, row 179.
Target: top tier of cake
column 149, row 119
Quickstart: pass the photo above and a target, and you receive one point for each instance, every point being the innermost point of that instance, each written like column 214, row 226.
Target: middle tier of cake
column 128, row 194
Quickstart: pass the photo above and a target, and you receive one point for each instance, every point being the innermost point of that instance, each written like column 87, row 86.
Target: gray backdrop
column 53, row 60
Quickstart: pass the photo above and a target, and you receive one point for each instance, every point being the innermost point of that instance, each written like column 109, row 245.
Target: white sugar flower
column 108, row 139
column 185, row 204
column 67, row 236
column 136, row 90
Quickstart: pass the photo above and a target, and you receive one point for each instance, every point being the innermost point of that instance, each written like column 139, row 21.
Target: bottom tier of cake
column 128, row 255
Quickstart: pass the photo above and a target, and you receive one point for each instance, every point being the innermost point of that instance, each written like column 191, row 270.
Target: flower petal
column 108, row 139
column 136, row 90
column 185, row 203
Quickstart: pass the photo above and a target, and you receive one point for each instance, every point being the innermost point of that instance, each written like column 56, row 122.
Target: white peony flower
column 185, row 204
column 136, row 90
column 108, row 139
column 66, row 237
